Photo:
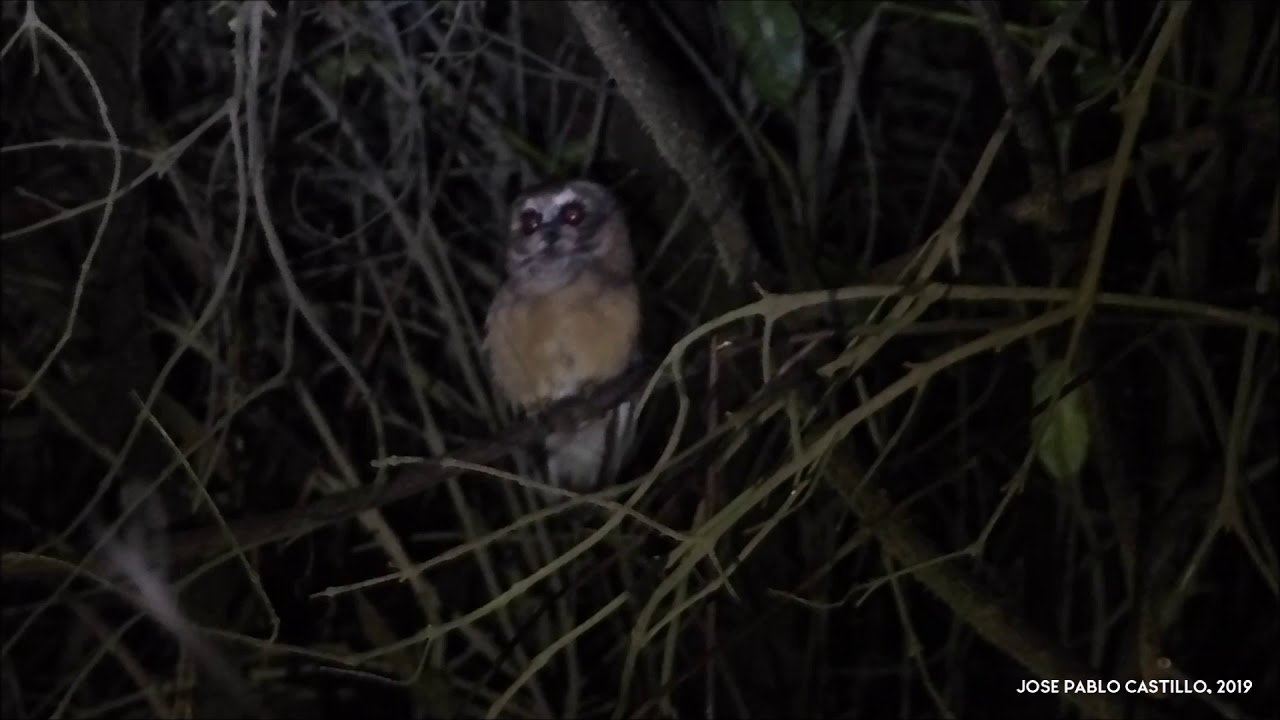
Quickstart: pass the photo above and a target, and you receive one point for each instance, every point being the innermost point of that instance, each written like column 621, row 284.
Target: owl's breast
column 546, row 347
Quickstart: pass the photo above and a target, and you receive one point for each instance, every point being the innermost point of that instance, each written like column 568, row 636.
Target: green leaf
column 770, row 39
column 1060, row 432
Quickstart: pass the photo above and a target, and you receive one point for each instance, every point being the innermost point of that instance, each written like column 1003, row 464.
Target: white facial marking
column 565, row 196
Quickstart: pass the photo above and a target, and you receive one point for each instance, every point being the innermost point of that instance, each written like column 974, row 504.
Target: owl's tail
column 591, row 455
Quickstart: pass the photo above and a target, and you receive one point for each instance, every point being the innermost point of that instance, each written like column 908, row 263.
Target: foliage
column 998, row 402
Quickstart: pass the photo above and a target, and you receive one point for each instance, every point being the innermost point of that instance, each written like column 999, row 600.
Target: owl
column 567, row 317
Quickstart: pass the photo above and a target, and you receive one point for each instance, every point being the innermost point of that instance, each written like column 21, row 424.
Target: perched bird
column 567, row 317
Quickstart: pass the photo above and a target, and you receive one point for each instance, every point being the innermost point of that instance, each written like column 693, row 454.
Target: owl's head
column 560, row 230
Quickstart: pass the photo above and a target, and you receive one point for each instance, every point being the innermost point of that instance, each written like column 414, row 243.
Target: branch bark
column 676, row 131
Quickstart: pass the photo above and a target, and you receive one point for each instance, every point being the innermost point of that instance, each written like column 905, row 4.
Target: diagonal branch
column 675, row 130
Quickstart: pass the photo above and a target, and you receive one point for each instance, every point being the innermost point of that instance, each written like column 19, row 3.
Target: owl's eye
column 530, row 221
column 573, row 214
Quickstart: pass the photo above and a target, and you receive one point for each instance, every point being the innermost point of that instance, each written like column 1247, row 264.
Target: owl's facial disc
column 553, row 238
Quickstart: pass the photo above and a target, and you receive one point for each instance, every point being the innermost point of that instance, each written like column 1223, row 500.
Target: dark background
column 291, row 283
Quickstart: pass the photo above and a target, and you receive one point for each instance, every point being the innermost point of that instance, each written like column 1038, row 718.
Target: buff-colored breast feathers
column 547, row 347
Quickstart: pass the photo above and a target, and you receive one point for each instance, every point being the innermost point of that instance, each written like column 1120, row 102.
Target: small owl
column 567, row 317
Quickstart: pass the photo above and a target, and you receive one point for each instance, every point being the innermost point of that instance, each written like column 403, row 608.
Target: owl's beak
column 551, row 232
